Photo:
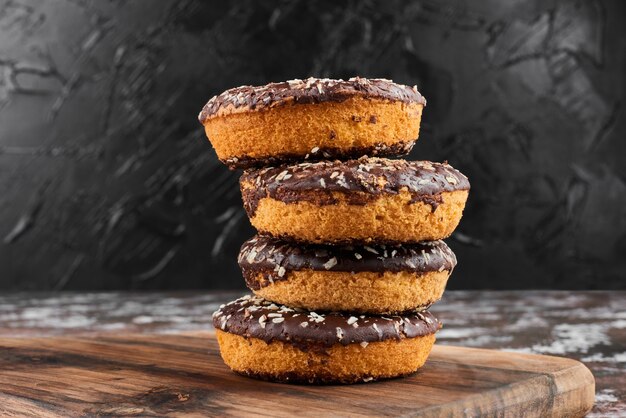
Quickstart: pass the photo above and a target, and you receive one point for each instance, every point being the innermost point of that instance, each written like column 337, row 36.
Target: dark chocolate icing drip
column 311, row 90
column 255, row 317
column 274, row 259
column 358, row 181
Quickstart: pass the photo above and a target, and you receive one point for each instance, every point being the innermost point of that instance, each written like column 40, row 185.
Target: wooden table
column 587, row 326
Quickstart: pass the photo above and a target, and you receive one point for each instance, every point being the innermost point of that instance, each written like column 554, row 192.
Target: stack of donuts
column 348, row 255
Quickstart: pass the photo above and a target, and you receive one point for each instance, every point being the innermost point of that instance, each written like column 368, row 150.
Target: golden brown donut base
column 295, row 130
column 385, row 219
column 362, row 292
column 281, row 362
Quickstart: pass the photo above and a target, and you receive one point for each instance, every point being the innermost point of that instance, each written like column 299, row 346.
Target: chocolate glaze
column 274, row 259
column 379, row 149
column 316, row 378
column 358, row 181
column 311, row 90
column 256, row 317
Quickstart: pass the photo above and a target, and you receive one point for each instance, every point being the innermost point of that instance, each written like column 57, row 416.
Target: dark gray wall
column 106, row 179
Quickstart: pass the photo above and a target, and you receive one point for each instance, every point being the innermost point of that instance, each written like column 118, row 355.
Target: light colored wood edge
column 508, row 360
column 576, row 388
column 568, row 390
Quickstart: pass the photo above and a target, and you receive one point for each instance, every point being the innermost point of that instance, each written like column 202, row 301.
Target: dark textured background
column 106, row 179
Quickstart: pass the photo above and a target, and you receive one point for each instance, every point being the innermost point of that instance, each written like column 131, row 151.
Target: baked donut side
column 387, row 219
column 343, row 130
column 282, row 362
column 364, row 292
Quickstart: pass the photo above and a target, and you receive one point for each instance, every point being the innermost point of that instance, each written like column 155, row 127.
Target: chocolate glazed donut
column 276, row 342
column 359, row 278
column 312, row 119
column 357, row 201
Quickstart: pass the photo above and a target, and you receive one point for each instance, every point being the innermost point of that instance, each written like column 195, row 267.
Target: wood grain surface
column 175, row 375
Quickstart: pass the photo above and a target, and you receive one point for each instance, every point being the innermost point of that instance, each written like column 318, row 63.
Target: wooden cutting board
column 176, row 375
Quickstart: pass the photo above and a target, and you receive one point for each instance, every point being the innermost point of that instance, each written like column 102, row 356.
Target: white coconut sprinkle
column 251, row 256
column 370, row 249
column 281, row 175
column 330, row 263
column 339, row 333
